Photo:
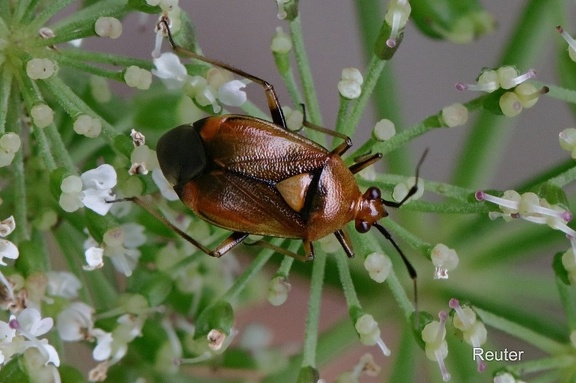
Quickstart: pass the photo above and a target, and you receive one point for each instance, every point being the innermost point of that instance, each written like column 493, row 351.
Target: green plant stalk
column 292, row 87
column 346, row 280
column 357, row 106
column 310, row 97
column 82, row 23
column 5, row 92
column 31, row 96
column 247, row 275
column 68, row 239
column 489, row 136
column 73, row 105
column 20, row 205
column 75, row 54
column 369, row 19
column 415, row 242
column 558, row 92
column 22, row 7
column 313, row 317
column 568, row 299
column 544, row 364
column 517, row 330
column 116, row 75
column 51, row 9
column 59, row 148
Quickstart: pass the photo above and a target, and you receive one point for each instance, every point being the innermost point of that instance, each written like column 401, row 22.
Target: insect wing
column 242, row 204
column 259, row 149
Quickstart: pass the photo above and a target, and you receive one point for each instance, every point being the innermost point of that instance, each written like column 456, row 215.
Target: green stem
column 310, row 98
column 247, row 275
column 52, row 9
column 375, row 67
column 5, row 92
column 346, row 280
column 292, row 87
column 74, row 105
column 369, row 16
column 558, row 92
column 538, row 340
column 489, row 136
column 544, row 364
column 314, row 303
column 96, row 71
column 73, row 54
column 20, row 205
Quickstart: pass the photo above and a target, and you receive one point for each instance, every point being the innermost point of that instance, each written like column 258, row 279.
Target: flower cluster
column 473, row 330
column 515, row 93
column 530, row 207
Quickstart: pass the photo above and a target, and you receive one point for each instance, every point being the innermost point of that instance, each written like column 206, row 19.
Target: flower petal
column 8, row 250
column 103, row 177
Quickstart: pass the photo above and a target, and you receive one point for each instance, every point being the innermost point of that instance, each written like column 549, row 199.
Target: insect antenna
column 409, row 267
column 414, row 187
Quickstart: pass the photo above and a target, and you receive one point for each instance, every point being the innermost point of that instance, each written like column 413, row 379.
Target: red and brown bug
column 252, row 176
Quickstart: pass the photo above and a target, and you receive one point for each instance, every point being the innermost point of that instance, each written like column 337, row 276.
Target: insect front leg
column 271, row 96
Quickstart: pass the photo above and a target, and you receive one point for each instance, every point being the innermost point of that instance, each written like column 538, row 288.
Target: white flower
column 75, row 322
column 433, row 335
column 103, row 348
column 369, row 333
column 120, row 245
column 164, row 186
column 63, row 284
column 170, row 70
column 444, row 259
column 93, row 257
column 350, row 84
column 230, row 94
column 9, row 145
column 30, row 325
column 92, row 189
column 473, row 330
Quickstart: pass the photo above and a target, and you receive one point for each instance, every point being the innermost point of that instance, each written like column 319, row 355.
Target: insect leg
column 233, row 240
column 271, row 97
column 365, row 163
column 308, row 250
column 345, row 241
column 340, row 149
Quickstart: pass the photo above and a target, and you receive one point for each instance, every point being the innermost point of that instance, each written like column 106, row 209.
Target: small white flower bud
column 567, row 139
column 378, row 266
column 455, row 115
column 71, row 184
column 444, row 259
column 42, row 115
column 278, row 291
column 510, row 104
column 350, row 85
column 281, row 42
column 136, row 77
column 384, row 130
column 40, row 69
column 10, row 142
column 88, row 126
column 108, row 27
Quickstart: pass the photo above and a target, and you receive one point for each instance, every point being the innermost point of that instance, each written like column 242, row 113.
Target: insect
column 252, row 176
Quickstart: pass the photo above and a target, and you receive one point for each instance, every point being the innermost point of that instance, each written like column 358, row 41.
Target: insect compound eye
column 372, row 193
column 181, row 154
column 362, row 226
